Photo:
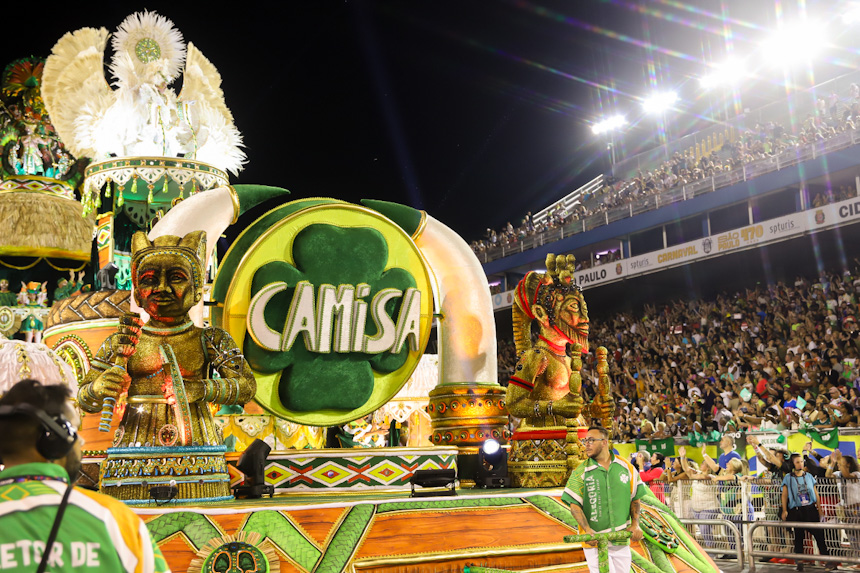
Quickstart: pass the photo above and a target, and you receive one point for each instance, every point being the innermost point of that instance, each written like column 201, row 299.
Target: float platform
column 521, row 530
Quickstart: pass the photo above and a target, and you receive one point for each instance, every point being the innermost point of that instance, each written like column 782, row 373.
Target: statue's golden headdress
column 191, row 247
column 538, row 289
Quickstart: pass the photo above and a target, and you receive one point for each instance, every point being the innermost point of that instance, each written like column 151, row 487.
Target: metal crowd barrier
column 853, row 557
column 718, row 523
column 713, row 510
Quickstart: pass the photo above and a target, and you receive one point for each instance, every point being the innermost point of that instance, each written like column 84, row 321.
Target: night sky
column 476, row 111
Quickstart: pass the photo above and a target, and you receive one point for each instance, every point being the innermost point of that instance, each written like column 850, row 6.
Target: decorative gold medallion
column 117, row 435
column 147, row 50
column 168, row 435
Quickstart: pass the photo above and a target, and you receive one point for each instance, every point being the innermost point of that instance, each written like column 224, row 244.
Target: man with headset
column 45, row 521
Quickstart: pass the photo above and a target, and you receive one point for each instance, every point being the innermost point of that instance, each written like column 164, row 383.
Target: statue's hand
column 110, row 383
column 576, row 357
column 568, row 407
column 602, row 408
column 123, row 342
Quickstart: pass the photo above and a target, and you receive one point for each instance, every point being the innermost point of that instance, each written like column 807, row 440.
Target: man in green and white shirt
column 603, row 493
column 97, row 533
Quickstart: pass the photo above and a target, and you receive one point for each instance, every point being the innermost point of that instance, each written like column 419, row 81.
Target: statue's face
column 4, row 284
column 165, row 286
column 571, row 317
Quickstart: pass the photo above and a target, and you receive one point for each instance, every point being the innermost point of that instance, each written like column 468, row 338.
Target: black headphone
column 57, row 436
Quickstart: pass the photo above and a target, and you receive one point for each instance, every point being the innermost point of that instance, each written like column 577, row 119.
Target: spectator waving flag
column 665, row 447
column 830, row 439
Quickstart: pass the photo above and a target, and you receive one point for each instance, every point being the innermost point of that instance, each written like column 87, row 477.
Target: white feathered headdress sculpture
column 143, row 116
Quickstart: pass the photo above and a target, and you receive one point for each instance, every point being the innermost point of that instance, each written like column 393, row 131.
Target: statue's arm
column 519, row 399
column 89, row 399
column 236, row 384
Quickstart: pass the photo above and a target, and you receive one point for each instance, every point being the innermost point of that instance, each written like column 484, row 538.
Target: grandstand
column 729, row 180
column 728, row 302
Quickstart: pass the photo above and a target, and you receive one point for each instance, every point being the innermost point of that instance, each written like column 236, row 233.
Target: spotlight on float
column 492, row 465
column 162, row 494
column 253, row 465
column 433, row 483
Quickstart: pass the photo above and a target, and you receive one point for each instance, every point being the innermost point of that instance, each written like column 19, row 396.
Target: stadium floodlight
column 796, row 43
column 728, row 73
column 851, row 14
column 660, row 102
column 609, row 124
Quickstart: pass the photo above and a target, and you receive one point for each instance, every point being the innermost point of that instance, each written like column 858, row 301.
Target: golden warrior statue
column 171, row 368
column 545, row 390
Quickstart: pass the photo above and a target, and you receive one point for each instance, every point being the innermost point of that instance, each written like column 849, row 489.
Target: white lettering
column 81, row 554
column 93, row 554
column 56, row 557
column 301, row 318
column 336, row 318
column 261, row 332
column 359, row 316
column 408, row 321
column 334, row 307
column 25, row 545
column 7, row 557
column 78, row 551
column 38, row 550
column 384, row 337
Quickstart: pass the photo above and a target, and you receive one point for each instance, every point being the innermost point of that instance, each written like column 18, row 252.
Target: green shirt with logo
column 604, row 494
column 97, row 533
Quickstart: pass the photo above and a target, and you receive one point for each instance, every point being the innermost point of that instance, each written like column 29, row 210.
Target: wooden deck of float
column 391, row 533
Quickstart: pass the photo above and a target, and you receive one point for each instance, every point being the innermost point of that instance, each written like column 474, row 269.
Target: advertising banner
column 761, row 233
column 772, row 230
column 503, row 299
column 601, row 274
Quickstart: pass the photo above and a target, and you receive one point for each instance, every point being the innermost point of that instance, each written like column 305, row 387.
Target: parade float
column 317, row 316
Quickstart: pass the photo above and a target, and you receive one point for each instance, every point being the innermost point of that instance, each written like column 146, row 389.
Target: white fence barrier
column 702, row 504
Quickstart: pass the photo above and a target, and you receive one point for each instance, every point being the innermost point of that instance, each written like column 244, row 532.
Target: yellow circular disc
column 276, row 244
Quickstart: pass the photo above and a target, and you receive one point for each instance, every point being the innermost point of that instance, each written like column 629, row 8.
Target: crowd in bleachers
column 831, row 117
column 773, row 357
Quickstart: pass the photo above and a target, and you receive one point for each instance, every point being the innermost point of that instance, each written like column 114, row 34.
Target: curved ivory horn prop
column 467, row 329
column 211, row 211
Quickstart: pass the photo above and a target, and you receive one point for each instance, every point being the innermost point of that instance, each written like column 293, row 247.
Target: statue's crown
column 191, row 247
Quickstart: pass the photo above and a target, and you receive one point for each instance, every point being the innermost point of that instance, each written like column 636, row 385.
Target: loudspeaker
column 58, row 435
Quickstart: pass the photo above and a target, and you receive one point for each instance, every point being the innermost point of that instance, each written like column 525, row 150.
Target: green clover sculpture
column 324, row 254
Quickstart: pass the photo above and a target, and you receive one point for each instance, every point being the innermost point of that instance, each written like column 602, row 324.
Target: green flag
column 665, row 447
column 830, row 439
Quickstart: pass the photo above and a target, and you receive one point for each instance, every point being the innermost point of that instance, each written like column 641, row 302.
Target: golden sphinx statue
column 171, row 370
column 545, row 391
